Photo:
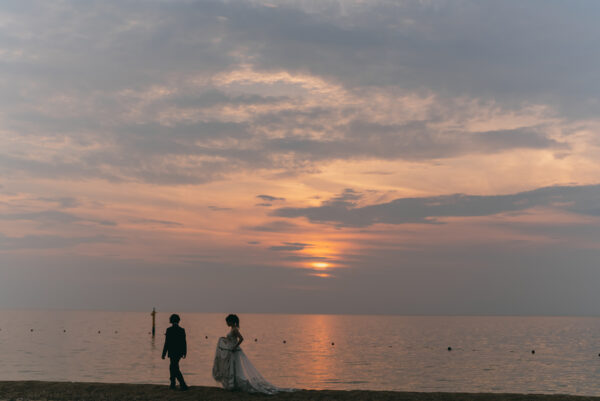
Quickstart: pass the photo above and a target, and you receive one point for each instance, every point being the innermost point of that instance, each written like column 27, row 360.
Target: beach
column 63, row 391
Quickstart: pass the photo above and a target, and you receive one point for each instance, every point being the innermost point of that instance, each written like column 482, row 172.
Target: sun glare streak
column 322, row 275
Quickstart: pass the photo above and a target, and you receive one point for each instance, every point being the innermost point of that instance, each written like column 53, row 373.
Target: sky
column 365, row 157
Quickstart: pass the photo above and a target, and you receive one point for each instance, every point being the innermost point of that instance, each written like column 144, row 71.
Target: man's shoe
column 185, row 388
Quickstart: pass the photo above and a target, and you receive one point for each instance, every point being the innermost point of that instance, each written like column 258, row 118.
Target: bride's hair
column 233, row 320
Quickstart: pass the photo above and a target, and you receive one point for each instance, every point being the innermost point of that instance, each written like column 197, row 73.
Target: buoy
column 30, row 329
column 206, row 337
column 64, row 330
column 98, row 331
column 332, row 343
column 153, row 314
column 284, row 341
column 449, row 348
column 256, row 339
column 116, row 331
column 533, row 351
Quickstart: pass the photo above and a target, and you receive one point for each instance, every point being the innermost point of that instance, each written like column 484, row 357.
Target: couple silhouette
column 231, row 367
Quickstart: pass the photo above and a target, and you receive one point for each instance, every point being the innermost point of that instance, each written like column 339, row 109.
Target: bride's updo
column 232, row 321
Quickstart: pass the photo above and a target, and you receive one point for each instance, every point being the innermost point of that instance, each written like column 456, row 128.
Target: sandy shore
column 38, row 391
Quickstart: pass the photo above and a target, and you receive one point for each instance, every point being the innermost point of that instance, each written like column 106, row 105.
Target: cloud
column 520, row 51
column 210, row 97
column 49, row 241
column 290, row 246
column 122, row 92
column 305, row 258
column 158, row 222
column 54, row 216
column 278, row 226
column 349, row 195
column 63, row 202
column 377, row 172
column 218, row 208
column 270, row 198
column 413, row 141
column 344, row 211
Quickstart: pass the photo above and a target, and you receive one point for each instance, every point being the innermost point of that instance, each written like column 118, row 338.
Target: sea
column 552, row 355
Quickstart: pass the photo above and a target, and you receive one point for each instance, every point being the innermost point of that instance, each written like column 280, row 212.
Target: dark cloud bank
column 343, row 210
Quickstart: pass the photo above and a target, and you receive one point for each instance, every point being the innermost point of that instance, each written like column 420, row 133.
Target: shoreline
column 63, row 391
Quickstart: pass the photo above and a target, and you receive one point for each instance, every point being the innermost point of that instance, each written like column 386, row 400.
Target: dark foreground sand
column 34, row 390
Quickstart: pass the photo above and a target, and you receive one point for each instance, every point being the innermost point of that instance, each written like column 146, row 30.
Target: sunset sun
column 320, row 265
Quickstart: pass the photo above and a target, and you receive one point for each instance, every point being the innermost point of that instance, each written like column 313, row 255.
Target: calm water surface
column 491, row 354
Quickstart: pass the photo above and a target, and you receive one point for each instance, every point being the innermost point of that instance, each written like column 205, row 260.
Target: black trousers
column 175, row 372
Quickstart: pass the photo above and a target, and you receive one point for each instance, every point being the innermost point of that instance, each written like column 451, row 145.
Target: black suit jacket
column 175, row 344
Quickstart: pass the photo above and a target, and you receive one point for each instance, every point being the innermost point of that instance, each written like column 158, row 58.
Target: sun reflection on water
column 319, row 363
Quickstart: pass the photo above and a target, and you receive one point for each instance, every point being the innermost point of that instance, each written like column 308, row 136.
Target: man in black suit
column 176, row 347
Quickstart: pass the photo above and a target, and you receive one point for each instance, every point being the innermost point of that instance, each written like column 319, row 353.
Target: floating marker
column 30, row 329
column 449, row 348
column 153, row 321
column 332, row 343
column 284, row 341
column 116, row 331
column 206, row 337
column 64, row 330
column 98, row 331
column 533, row 351
column 256, row 339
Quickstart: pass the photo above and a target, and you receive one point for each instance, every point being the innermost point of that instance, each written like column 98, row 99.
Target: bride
column 233, row 369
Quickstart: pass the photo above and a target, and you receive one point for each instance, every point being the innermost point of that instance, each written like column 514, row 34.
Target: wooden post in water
column 153, row 321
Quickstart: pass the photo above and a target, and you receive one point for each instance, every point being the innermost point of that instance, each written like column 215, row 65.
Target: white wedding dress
column 234, row 370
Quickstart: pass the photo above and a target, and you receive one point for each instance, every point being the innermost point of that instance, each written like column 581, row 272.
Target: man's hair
column 233, row 320
column 174, row 318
